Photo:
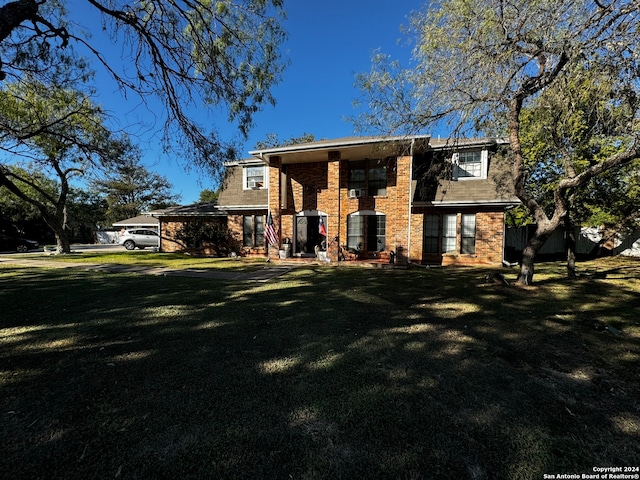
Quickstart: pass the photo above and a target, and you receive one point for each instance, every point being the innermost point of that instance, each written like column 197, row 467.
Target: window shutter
column 484, row 161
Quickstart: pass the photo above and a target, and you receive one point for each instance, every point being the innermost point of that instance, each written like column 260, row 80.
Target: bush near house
column 205, row 237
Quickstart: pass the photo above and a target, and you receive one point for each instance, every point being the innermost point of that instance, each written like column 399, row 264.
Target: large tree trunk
column 542, row 233
column 55, row 218
column 63, row 245
column 570, row 238
column 58, row 223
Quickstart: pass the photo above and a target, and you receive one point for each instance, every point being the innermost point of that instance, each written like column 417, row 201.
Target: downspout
column 339, row 169
column 504, row 238
column 413, row 141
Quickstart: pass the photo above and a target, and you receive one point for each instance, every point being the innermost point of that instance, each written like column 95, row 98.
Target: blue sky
column 328, row 44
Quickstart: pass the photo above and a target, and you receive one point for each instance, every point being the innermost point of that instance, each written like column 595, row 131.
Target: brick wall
column 489, row 237
column 170, row 226
column 323, row 186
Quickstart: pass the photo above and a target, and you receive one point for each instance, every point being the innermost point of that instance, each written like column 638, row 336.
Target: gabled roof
column 206, row 209
column 140, row 220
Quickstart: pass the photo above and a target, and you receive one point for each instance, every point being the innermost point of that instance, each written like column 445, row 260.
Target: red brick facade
column 171, row 225
column 313, row 183
column 489, row 241
column 322, row 188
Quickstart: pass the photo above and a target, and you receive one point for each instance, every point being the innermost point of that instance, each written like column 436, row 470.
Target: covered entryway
column 310, row 231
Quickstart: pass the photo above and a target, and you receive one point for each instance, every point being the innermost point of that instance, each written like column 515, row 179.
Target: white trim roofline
column 469, row 203
column 334, row 144
column 245, row 207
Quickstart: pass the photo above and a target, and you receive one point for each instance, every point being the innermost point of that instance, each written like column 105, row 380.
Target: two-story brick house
column 413, row 198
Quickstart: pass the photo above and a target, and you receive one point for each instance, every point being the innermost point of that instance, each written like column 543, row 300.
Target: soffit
column 348, row 148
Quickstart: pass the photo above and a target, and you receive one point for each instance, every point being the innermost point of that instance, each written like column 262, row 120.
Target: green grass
column 151, row 259
column 323, row 373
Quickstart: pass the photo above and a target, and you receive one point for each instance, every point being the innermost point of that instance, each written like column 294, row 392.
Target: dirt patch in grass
column 322, row 373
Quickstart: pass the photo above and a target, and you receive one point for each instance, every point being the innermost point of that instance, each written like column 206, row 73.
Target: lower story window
column 355, row 233
column 366, row 233
column 253, row 231
column 376, row 233
column 468, row 234
column 449, row 233
column 431, row 233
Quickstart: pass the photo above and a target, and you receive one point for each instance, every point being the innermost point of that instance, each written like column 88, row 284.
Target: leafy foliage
column 208, row 195
column 130, row 189
column 17, row 209
column 272, row 141
column 198, row 234
column 51, row 132
column 86, row 212
column 220, row 53
column 481, row 64
column 563, row 137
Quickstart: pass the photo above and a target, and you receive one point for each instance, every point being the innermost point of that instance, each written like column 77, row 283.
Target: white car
column 139, row 238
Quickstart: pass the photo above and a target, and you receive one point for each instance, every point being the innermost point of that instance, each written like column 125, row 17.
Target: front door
column 308, row 235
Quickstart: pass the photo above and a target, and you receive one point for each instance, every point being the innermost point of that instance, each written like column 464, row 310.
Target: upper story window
column 368, row 178
column 253, row 177
column 470, row 164
column 377, row 178
column 357, row 176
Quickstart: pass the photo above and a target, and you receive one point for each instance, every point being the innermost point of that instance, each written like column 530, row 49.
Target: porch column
column 273, row 204
column 401, row 210
column 333, row 204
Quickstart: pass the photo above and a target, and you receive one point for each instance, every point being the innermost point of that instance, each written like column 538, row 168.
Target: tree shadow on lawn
column 323, row 373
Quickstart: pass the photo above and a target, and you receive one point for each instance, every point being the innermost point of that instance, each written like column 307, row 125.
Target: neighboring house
column 141, row 221
column 411, row 198
column 111, row 235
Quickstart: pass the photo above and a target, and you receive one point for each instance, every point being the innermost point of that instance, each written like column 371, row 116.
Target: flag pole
column 270, row 235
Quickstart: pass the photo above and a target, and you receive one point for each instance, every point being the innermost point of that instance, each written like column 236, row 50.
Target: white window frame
column 468, row 233
column 357, row 227
column 431, row 233
column 450, row 233
column 245, row 177
column 484, row 163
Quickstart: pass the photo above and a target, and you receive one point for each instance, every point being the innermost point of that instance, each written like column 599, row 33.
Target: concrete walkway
column 265, row 274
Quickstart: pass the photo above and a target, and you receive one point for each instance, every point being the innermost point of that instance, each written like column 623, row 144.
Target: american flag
column 270, row 232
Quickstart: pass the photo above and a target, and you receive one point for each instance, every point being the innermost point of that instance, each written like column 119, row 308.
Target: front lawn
column 322, row 373
column 152, row 259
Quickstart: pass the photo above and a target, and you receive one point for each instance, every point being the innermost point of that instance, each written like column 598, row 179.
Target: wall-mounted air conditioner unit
column 355, row 193
column 252, row 184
